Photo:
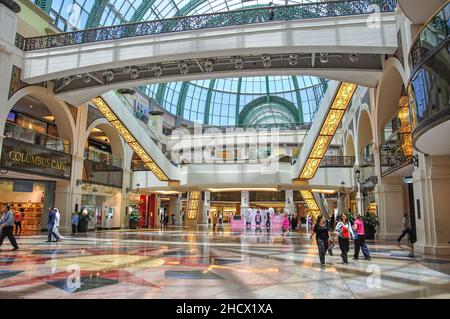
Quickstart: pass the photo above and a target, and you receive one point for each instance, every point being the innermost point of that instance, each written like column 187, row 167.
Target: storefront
column 29, row 177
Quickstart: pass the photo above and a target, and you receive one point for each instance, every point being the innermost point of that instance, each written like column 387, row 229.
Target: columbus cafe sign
column 29, row 158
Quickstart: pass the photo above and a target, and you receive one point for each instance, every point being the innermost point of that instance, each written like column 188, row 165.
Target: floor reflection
column 201, row 263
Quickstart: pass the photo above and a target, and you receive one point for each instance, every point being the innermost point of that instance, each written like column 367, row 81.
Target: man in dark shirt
column 7, row 222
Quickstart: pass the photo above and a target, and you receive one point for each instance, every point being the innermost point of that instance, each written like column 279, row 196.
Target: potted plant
column 370, row 223
column 84, row 217
column 133, row 219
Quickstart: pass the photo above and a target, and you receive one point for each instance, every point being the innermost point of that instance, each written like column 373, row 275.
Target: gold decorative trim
column 334, row 117
column 193, row 205
column 101, row 105
column 311, row 202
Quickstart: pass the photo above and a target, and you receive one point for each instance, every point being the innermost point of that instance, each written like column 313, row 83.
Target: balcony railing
column 257, row 127
column 27, row 135
column 338, row 161
column 432, row 36
column 212, row 20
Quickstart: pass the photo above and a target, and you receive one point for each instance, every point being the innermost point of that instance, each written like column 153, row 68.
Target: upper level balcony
column 396, row 151
column 30, row 136
column 429, row 90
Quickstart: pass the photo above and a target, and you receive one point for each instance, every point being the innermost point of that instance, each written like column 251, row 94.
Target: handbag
column 330, row 246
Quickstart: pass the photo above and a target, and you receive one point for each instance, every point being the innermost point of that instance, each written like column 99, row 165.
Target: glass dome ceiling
column 286, row 99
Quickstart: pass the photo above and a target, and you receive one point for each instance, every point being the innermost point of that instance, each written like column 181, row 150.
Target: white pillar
column 390, row 198
column 289, row 202
column 432, row 202
column 245, row 201
column 206, row 207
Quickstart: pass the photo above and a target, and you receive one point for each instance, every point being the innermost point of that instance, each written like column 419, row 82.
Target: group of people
column 345, row 232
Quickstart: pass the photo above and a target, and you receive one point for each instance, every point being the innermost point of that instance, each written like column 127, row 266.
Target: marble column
column 289, row 202
column 245, row 202
column 390, row 198
column 206, row 207
column 431, row 182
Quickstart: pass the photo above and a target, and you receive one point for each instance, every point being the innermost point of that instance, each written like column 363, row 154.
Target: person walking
column 322, row 233
column 360, row 239
column 18, row 218
column 345, row 233
column 271, row 12
column 56, row 225
column 74, row 223
column 268, row 220
column 248, row 218
column 406, row 228
column 50, row 224
column 215, row 220
column 285, row 224
column 7, row 221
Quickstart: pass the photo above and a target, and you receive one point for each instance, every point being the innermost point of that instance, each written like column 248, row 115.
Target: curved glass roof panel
column 222, row 101
column 81, row 14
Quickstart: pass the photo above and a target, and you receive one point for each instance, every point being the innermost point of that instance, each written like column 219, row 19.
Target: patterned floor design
column 182, row 263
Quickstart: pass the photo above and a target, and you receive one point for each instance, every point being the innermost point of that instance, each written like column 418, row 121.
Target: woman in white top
column 345, row 233
column 56, row 225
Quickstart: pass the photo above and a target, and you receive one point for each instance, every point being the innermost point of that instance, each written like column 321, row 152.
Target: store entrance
column 31, row 198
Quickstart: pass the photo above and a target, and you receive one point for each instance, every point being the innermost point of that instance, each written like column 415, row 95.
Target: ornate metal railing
column 257, row 127
column 337, row 161
column 432, row 35
column 20, row 41
column 213, row 20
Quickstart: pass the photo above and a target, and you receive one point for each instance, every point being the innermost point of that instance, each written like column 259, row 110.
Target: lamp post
column 358, row 195
column 341, row 199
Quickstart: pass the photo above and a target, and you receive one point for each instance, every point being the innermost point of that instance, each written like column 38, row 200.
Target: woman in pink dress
column 285, row 225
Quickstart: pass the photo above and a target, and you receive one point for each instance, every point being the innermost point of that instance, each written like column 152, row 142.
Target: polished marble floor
column 182, row 263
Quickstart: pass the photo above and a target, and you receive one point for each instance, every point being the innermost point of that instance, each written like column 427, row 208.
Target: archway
column 350, row 146
column 365, row 137
column 63, row 118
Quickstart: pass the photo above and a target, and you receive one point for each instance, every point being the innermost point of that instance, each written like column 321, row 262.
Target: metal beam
column 299, row 99
column 212, row 83
column 182, row 99
column 142, row 10
column 96, row 14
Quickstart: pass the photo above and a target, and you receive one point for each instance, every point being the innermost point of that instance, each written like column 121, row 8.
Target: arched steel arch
column 285, row 104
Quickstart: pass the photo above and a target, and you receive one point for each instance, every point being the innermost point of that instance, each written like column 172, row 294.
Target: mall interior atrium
column 169, row 149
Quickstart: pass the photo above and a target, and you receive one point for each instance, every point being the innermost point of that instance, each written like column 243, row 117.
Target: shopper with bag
column 345, row 233
column 322, row 233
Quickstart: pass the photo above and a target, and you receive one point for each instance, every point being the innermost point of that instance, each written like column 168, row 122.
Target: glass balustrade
column 102, row 157
column 27, row 135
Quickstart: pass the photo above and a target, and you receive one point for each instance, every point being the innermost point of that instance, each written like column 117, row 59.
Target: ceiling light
column 267, row 61
column 133, row 72
column 208, row 66
column 293, row 59
column 238, row 63
column 354, row 57
column 86, row 78
column 324, row 58
column 109, row 75
column 184, row 68
column 157, row 71
column 31, row 106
